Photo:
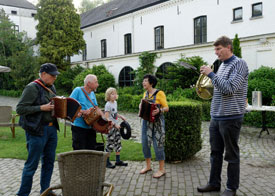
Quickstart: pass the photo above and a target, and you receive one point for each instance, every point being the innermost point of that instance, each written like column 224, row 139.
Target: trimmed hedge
column 125, row 102
column 255, row 119
column 183, row 130
column 10, row 93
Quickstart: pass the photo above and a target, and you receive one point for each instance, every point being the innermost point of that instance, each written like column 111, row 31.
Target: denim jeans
column 39, row 147
column 225, row 135
column 159, row 151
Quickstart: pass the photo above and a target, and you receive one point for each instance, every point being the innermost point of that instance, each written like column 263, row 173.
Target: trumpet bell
column 204, row 87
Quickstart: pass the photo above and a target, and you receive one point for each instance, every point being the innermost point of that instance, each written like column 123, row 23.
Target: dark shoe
column 121, row 163
column 208, row 188
column 110, row 166
column 52, row 194
column 228, row 193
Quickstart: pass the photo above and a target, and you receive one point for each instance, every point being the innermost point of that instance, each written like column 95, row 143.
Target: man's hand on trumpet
column 205, row 70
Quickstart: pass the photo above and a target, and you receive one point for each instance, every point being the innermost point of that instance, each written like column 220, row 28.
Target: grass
column 16, row 147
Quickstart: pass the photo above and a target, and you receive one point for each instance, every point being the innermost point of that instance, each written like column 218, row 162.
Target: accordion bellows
column 65, row 108
column 146, row 110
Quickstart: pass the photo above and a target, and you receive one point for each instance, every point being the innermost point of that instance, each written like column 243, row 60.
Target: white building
column 21, row 13
column 116, row 33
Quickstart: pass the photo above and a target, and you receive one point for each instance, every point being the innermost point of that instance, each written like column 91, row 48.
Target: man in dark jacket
column 35, row 108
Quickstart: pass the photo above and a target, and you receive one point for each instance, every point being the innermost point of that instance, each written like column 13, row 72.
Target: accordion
column 65, row 108
column 146, row 110
column 102, row 125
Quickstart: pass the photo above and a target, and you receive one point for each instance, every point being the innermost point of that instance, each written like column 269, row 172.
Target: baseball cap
column 49, row 68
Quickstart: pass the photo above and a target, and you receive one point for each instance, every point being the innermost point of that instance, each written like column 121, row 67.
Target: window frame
column 16, row 28
column 103, row 44
column 84, row 53
column 159, row 37
column 124, row 80
column 202, row 35
column 253, row 10
column 128, row 43
column 234, row 14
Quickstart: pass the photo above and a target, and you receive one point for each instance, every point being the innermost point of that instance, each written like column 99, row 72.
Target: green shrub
column 179, row 76
column 11, row 93
column 129, row 102
column 206, row 105
column 105, row 79
column 132, row 90
column 125, row 102
column 183, row 130
column 262, row 79
column 100, row 97
column 255, row 119
column 64, row 81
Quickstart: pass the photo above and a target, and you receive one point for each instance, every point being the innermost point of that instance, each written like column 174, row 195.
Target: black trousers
column 224, row 136
column 83, row 138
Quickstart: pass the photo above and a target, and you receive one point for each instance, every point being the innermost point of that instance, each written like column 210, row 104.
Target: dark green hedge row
column 183, row 130
column 255, row 119
column 10, row 93
column 125, row 102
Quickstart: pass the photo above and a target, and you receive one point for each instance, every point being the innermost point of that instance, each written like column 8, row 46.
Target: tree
column 16, row 52
column 236, row 46
column 59, row 35
column 87, row 5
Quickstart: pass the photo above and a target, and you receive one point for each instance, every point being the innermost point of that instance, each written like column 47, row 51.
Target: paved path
column 257, row 171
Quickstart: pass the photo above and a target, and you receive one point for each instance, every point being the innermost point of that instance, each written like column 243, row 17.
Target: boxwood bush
column 262, row 79
column 183, row 130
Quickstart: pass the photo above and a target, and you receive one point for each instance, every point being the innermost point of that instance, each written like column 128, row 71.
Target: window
column 159, row 37
column 84, row 53
column 163, row 70
column 33, row 14
column 200, row 30
column 103, row 48
column 126, row 77
column 237, row 14
column 16, row 28
column 257, row 9
column 14, row 12
column 128, row 43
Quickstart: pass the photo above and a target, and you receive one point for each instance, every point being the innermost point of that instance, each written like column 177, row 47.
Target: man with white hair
column 83, row 135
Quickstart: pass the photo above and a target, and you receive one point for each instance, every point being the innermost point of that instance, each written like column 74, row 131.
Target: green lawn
column 16, row 147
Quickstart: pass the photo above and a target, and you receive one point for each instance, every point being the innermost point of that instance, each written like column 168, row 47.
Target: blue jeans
column 39, row 147
column 159, row 151
column 225, row 135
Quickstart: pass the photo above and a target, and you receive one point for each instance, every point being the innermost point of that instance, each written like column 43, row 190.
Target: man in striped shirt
column 227, row 111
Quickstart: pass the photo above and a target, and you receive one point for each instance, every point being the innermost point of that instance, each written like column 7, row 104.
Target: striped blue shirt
column 230, row 89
